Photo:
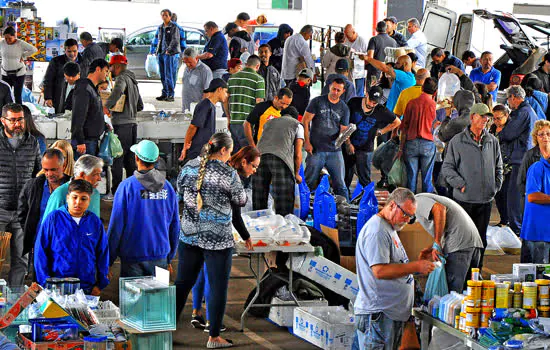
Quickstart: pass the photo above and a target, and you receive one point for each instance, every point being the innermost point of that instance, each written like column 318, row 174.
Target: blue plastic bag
column 152, row 66
column 368, row 206
column 357, row 191
column 105, row 149
column 324, row 206
column 304, row 196
column 437, row 282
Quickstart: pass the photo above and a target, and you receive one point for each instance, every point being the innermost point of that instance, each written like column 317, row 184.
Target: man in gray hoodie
column 473, row 168
column 124, row 123
column 463, row 100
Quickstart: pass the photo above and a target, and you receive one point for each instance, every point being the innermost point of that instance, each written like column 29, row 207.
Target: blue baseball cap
column 146, row 150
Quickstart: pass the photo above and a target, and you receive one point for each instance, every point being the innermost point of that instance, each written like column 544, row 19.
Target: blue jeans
column 360, row 87
column 238, row 136
column 168, row 65
column 190, row 262
column 377, row 332
column 142, row 268
column 420, row 153
column 91, row 148
column 334, row 162
column 201, row 290
column 218, row 73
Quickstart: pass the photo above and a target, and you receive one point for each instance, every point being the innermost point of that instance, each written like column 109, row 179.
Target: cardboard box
column 59, row 345
column 328, row 274
column 323, row 331
column 503, row 277
column 414, row 238
column 524, row 272
column 284, row 315
column 25, row 300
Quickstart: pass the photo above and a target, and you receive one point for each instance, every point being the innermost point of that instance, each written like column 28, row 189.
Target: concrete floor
column 259, row 333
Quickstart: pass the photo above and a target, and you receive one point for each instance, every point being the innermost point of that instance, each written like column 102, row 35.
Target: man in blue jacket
column 144, row 227
column 72, row 243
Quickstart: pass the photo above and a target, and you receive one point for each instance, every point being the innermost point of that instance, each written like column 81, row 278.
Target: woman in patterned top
column 208, row 187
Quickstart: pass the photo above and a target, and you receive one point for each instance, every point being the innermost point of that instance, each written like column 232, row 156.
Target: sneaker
column 207, row 328
column 161, row 98
column 198, row 322
column 108, row 197
column 169, row 99
column 214, row 345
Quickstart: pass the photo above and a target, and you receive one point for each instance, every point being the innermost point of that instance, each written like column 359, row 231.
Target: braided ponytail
column 214, row 145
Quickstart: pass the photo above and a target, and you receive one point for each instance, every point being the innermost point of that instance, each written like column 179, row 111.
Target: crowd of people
column 467, row 154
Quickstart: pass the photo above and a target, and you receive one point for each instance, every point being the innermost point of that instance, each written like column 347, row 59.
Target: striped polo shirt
column 244, row 88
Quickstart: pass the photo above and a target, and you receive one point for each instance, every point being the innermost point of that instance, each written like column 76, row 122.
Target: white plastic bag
column 448, row 85
column 152, row 66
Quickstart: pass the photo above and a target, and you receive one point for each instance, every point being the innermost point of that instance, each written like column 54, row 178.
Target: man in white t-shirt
column 384, row 273
column 357, row 44
column 417, row 41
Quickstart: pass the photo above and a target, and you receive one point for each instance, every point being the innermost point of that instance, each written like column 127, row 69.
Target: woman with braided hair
column 209, row 187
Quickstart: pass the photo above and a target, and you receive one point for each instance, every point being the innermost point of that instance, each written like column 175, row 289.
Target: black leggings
column 16, row 82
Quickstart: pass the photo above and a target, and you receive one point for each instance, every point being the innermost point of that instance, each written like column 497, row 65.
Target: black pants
column 16, row 82
column 127, row 134
column 218, row 267
column 480, row 213
column 501, row 200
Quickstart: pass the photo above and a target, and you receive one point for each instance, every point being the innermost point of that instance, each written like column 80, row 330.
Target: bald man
column 357, row 44
column 411, row 93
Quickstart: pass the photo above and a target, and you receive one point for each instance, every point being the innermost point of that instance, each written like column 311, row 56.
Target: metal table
column 428, row 322
column 258, row 254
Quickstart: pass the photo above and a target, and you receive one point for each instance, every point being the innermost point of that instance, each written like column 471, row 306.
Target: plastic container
column 501, row 295
column 52, row 329
column 472, row 317
column 488, row 294
column 258, row 213
column 95, row 343
column 529, row 295
column 543, row 292
column 474, row 292
column 147, row 304
column 150, row 341
column 544, row 311
column 261, row 236
column 475, row 274
column 272, row 221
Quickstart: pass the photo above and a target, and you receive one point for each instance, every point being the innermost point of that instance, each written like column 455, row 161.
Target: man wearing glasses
column 386, row 284
column 473, row 168
column 19, row 161
column 455, row 236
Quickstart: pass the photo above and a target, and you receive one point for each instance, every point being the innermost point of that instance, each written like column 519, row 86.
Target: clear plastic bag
column 152, row 66
column 447, row 87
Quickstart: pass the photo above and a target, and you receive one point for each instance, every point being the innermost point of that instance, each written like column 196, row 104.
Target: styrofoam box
column 310, row 325
column 284, row 315
column 328, row 274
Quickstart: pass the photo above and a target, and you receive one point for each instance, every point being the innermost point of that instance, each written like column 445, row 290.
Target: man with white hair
column 87, row 168
column 297, row 54
column 385, row 275
column 196, row 78
column 417, row 41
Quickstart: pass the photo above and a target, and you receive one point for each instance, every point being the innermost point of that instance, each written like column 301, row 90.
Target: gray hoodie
column 463, row 100
column 125, row 83
column 153, row 180
column 478, row 168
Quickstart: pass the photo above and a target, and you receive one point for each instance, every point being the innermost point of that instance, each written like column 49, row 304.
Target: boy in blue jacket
column 72, row 243
column 144, row 228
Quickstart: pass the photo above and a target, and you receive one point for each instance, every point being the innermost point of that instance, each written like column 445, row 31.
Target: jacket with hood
column 66, row 249
column 277, row 46
column 125, row 84
column 58, row 199
column 145, row 219
column 241, row 40
column 17, row 166
column 28, row 210
column 517, row 132
column 476, row 167
column 332, row 56
column 167, row 37
column 272, row 79
column 87, row 122
column 463, row 100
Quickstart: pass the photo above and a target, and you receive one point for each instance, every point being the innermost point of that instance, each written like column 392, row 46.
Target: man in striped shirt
column 246, row 88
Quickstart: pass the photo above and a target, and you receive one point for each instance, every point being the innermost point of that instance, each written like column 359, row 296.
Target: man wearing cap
column 543, row 73
column 270, row 74
column 473, row 168
column 375, row 49
column 196, row 78
column 124, row 123
column 372, row 119
column 391, row 29
column 203, row 124
column 417, row 41
column 144, row 226
column 357, row 44
column 300, row 91
column 342, row 72
column 417, row 139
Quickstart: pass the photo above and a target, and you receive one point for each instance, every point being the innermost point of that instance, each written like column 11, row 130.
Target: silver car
column 139, row 42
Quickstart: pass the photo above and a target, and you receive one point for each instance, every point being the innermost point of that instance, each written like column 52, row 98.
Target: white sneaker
column 108, row 197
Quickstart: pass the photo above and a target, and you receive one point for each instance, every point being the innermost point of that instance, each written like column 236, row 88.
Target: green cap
column 146, row 150
column 481, row 109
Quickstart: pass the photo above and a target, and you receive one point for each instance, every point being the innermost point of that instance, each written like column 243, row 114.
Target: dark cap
column 376, row 94
column 342, row 65
column 229, row 27
column 215, row 84
column 544, row 59
column 392, row 19
column 306, row 72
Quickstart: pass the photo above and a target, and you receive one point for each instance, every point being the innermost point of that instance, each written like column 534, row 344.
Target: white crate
column 284, row 315
column 314, row 325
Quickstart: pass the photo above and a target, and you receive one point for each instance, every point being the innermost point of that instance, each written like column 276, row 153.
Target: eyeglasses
column 411, row 217
column 542, row 134
column 15, row 121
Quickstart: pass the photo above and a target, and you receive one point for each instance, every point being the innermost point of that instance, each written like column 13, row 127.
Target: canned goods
column 543, row 292
column 474, row 292
column 457, row 321
column 472, row 317
column 544, row 311
column 501, row 295
column 511, row 294
column 462, row 324
column 484, row 320
column 475, row 274
column 529, row 295
column 488, row 294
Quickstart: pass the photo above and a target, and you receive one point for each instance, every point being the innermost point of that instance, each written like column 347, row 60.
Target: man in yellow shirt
column 411, row 93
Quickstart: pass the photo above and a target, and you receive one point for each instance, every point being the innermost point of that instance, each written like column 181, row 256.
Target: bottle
column 309, row 220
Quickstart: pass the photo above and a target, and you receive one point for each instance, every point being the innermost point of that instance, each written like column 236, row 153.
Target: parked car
column 139, row 42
